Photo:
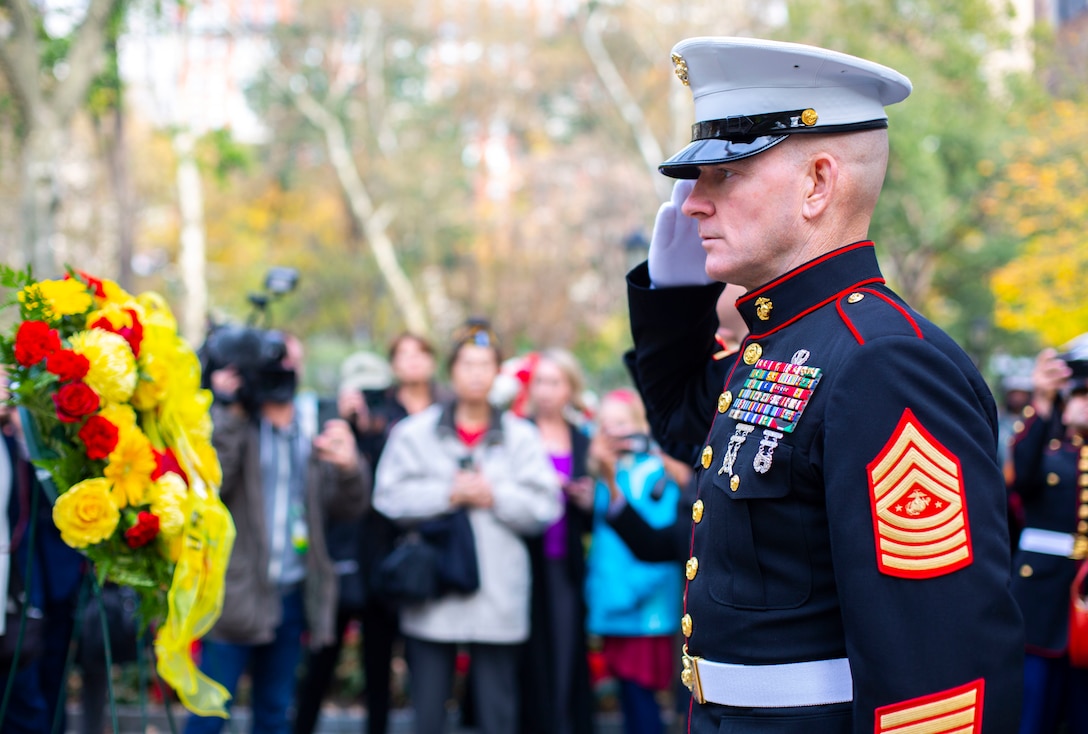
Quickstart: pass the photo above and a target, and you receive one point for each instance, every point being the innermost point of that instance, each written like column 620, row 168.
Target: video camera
column 256, row 353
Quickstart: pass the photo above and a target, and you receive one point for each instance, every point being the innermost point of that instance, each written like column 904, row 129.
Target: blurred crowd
column 516, row 539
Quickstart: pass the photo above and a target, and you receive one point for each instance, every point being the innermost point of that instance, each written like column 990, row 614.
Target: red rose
column 144, row 531
column 165, row 461
column 67, row 365
column 34, row 341
column 99, row 436
column 75, row 400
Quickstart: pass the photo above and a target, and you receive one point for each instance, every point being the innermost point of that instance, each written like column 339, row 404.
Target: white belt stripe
column 813, row 683
column 1047, row 541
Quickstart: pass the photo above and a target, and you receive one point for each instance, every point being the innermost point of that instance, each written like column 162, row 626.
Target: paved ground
column 333, row 721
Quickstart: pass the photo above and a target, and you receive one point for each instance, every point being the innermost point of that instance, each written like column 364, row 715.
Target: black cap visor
column 685, row 164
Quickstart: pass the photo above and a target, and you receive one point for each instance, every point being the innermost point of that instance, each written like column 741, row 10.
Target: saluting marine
column 849, row 552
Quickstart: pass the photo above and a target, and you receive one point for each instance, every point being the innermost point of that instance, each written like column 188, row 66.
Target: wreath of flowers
column 120, row 423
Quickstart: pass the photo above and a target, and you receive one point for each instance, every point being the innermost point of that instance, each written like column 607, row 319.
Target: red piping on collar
column 818, row 306
column 803, row 268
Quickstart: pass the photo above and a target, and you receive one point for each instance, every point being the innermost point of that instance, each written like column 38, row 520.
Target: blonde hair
column 572, row 372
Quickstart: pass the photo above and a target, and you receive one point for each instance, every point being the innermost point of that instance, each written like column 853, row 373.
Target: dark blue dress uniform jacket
column 873, row 530
column 1045, row 475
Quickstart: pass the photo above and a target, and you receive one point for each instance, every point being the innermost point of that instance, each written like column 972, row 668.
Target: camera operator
column 280, row 482
column 1050, row 475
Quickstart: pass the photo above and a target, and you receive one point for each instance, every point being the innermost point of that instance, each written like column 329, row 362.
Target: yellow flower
column 113, row 368
column 153, row 384
column 85, row 514
column 119, row 414
column 116, row 294
column 169, row 497
column 130, row 466
column 156, row 311
column 65, row 297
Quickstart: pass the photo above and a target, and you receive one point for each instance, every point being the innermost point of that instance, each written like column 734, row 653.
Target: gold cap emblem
column 752, row 353
column 691, row 568
column 809, row 117
column 708, row 456
column 855, row 297
column 724, row 401
column 697, row 511
column 763, row 308
column 681, row 69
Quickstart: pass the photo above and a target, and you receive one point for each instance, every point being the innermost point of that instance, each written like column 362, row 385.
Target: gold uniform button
column 1026, row 570
column 1082, row 527
column 734, row 483
column 1018, row 427
column 697, row 511
column 854, row 297
column 752, row 353
column 692, row 568
column 1084, row 495
column 1029, row 412
column 1083, row 465
column 1082, row 513
column 1078, row 441
column 685, row 625
column 708, row 456
column 1083, row 481
column 724, row 401
column 1055, row 444
column 1052, row 479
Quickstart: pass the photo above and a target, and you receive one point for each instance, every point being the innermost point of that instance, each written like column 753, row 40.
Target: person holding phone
column 1049, row 471
column 465, row 454
column 633, row 605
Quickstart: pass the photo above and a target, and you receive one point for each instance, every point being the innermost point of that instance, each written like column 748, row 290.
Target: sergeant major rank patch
column 775, row 394
column 919, row 512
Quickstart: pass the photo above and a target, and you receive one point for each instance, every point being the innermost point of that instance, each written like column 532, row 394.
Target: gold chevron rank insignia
column 955, row 711
column 919, row 511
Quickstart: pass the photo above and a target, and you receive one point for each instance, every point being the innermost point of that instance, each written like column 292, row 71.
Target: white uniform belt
column 814, row 683
column 1047, row 541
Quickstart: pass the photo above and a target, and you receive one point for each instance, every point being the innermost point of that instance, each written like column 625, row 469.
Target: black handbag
column 435, row 558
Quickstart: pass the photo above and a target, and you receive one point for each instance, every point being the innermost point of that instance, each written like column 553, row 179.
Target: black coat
column 538, row 714
column 852, row 505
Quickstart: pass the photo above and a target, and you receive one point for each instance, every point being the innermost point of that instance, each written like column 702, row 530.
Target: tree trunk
column 191, row 258
column 122, row 191
column 40, row 188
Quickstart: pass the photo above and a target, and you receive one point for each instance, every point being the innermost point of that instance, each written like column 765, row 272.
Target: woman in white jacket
column 466, row 454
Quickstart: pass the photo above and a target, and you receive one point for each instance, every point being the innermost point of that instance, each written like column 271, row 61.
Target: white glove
column 676, row 254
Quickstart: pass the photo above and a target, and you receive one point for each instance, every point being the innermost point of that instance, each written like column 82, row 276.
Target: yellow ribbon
column 195, row 598
column 195, row 601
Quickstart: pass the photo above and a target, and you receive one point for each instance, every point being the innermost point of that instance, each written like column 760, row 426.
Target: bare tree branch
column 374, row 223
column 628, row 107
column 85, row 58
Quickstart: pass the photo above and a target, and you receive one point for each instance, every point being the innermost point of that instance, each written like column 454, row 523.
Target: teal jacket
column 626, row 596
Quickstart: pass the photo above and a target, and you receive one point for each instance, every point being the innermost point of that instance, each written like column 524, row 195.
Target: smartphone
column 636, row 443
column 465, row 463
